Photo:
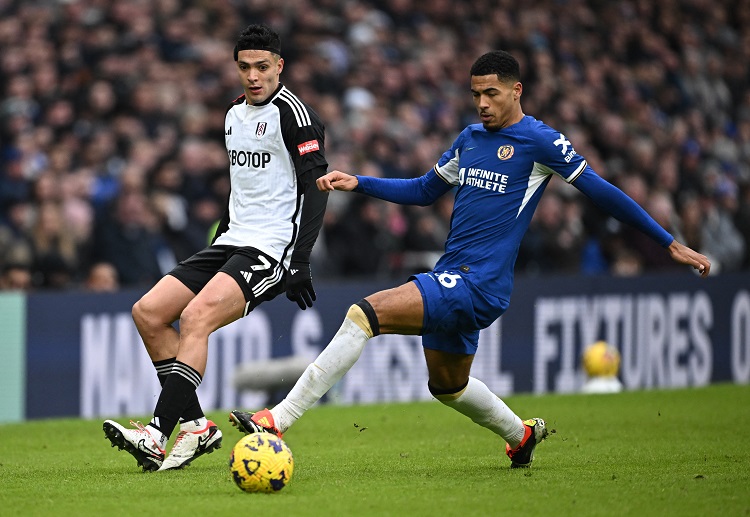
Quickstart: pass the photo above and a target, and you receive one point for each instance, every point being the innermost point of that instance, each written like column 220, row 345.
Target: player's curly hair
column 258, row 37
column 497, row 62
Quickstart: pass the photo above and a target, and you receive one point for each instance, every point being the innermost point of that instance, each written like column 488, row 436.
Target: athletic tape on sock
column 370, row 323
column 449, row 394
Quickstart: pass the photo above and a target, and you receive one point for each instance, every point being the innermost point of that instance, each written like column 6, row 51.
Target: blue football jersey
column 500, row 177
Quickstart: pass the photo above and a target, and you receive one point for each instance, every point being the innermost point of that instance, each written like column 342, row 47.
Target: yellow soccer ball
column 601, row 359
column 261, row 462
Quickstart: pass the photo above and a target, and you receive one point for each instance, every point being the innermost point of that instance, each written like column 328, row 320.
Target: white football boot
column 139, row 442
column 192, row 441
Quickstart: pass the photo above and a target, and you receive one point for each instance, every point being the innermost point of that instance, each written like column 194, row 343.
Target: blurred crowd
column 113, row 167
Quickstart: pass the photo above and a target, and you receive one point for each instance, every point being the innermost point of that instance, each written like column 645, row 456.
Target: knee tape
column 449, row 394
column 364, row 316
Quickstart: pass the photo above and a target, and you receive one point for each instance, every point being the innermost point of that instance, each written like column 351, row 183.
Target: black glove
column 299, row 287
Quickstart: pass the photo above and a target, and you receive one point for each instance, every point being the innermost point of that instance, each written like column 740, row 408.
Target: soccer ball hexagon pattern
column 261, row 462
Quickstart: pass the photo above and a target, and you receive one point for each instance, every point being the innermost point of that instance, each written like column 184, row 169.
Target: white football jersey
column 269, row 145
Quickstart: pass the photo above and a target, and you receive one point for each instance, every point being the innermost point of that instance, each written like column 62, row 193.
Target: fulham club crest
column 260, row 130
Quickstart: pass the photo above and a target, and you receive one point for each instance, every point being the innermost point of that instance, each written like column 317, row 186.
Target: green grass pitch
column 671, row 452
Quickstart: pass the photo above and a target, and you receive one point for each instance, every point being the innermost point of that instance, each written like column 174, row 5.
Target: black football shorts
column 259, row 276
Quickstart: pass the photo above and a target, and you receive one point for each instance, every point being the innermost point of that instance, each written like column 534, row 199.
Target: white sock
column 488, row 410
column 320, row 376
column 194, row 425
column 157, row 435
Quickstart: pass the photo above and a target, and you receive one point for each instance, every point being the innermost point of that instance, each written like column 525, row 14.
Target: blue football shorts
column 455, row 310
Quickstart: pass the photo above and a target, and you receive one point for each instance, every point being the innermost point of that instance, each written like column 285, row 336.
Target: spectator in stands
column 721, row 239
column 102, row 278
column 360, row 241
column 16, row 277
column 691, row 222
column 659, row 205
column 554, row 240
column 124, row 236
column 54, row 248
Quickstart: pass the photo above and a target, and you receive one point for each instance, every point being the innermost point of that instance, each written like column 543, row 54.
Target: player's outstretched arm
column 421, row 191
column 684, row 255
column 337, row 180
column 617, row 203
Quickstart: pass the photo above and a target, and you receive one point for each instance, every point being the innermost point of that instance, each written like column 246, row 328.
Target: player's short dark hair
column 258, row 37
column 497, row 62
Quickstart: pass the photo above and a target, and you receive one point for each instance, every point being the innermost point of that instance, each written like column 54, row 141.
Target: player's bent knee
column 145, row 315
column 449, row 394
column 194, row 320
column 364, row 316
column 141, row 316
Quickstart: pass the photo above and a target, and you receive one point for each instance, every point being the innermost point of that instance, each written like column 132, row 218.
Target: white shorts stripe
column 268, row 282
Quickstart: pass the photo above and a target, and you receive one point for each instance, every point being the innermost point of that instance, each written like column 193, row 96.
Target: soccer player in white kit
column 275, row 144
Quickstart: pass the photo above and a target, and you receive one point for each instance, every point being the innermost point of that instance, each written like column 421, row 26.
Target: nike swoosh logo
column 470, row 148
column 145, row 448
column 203, row 440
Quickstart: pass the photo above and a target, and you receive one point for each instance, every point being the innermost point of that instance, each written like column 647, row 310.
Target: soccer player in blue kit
column 500, row 169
